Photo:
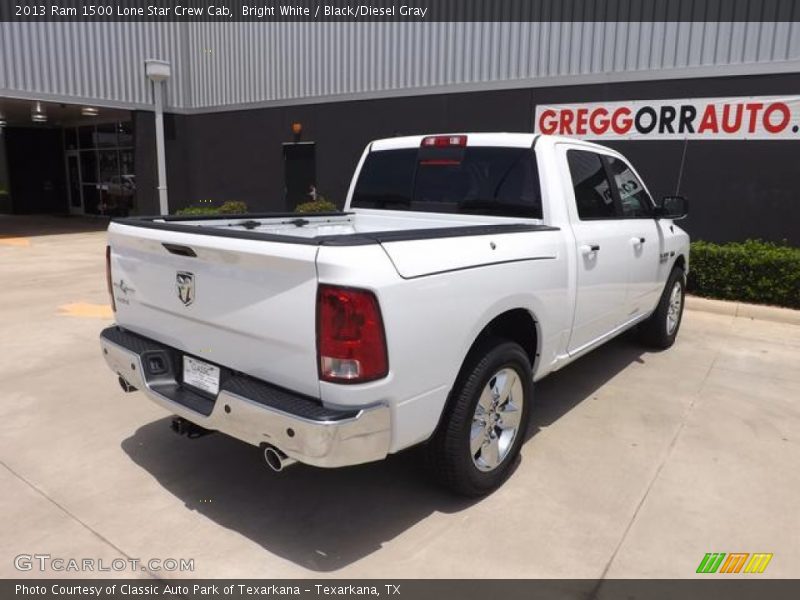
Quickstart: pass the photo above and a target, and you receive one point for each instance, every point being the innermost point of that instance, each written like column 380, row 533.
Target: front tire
column 661, row 328
column 485, row 422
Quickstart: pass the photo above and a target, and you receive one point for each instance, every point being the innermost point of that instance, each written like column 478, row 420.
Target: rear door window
column 481, row 180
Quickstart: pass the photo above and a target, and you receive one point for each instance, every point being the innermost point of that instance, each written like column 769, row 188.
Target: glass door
column 74, row 183
column 100, row 169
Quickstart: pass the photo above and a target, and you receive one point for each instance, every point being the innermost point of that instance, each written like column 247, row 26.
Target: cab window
column 483, row 180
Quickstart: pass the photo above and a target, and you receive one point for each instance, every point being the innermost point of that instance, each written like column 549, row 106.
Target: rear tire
column 661, row 328
column 484, row 425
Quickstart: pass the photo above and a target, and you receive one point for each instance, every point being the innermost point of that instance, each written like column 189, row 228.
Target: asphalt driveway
column 638, row 464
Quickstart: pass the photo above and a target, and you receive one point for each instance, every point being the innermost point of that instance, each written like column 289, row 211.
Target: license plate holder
column 201, row 375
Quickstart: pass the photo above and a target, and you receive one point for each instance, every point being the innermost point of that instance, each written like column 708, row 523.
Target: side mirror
column 672, row 207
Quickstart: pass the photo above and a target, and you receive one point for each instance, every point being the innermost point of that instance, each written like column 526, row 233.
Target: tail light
column 109, row 282
column 440, row 162
column 444, row 141
column 351, row 343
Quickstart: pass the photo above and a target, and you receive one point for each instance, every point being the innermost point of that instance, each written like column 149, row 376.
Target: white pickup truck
column 463, row 268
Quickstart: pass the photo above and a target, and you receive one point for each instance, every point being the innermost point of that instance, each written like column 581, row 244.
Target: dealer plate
column 201, row 375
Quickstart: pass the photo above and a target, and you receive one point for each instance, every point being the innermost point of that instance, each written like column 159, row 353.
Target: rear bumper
column 249, row 409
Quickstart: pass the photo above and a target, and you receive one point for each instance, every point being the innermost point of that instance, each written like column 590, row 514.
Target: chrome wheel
column 497, row 419
column 674, row 308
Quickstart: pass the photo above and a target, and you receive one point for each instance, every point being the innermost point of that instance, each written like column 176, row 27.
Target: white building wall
column 240, row 64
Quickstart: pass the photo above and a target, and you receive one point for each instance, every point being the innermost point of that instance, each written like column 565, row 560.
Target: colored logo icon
column 735, row 562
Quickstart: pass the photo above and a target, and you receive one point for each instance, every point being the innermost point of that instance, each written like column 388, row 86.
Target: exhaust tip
column 273, row 459
column 277, row 460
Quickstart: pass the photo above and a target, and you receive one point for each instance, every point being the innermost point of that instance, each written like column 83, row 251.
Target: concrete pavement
column 638, row 463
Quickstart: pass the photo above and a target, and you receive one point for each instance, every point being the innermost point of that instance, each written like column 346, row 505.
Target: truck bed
column 340, row 228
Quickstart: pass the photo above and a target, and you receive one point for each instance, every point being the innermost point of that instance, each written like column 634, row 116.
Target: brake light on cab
column 109, row 281
column 444, row 141
column 351, row 343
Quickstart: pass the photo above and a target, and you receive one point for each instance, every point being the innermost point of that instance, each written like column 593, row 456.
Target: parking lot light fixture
column 158, row 71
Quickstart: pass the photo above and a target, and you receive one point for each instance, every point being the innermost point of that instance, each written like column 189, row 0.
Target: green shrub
column 197, row 211
column 230, row 207
column 752, row 271
column 321, row 205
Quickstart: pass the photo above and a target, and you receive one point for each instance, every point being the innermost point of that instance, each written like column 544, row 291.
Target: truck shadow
column 324, row 520
column 320, row 519
column 561, row 391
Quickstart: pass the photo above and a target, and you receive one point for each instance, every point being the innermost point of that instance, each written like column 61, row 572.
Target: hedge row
column 230, row 207
column 321, row 205
column 752, row 271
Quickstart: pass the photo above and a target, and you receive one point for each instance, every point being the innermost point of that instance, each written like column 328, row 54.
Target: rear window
column 474, row 180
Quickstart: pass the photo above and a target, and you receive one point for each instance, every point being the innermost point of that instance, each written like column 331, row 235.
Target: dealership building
column 260, row 111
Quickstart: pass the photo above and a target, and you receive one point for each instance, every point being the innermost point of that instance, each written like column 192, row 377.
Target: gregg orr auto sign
column 751, row 118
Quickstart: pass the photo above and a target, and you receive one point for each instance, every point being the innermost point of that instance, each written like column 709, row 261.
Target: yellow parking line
column 86, row 310
column 14, row 241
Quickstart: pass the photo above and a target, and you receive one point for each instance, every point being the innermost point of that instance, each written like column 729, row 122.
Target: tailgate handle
column 179, row 250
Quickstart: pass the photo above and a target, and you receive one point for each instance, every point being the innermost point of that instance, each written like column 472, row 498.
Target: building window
column 107, row 180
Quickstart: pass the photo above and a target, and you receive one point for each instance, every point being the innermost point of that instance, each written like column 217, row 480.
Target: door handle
column 587, row 249
column 637, row 241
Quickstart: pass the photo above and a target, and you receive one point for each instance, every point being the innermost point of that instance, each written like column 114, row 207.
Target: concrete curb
column 742, row 309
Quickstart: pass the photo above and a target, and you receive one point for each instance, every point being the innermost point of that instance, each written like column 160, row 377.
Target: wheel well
column 680, row 262
column 516, row 325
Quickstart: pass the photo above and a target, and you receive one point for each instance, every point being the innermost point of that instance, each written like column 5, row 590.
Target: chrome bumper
column 251, row 410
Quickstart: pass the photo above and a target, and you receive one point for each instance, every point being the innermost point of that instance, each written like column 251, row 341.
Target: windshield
column 484, row 180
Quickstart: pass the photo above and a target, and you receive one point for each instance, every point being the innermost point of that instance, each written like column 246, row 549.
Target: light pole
column 159, row 71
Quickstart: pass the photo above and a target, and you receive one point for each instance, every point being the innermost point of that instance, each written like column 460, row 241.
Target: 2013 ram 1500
column 463, row 268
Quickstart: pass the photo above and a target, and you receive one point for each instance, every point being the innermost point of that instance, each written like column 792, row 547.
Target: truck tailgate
column 248, row 305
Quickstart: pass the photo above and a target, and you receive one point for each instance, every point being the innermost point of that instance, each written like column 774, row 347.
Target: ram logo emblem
column 185, row 284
